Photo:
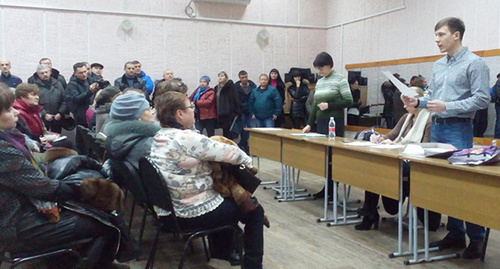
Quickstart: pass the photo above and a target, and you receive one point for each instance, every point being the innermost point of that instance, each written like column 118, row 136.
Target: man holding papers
column 457, row 89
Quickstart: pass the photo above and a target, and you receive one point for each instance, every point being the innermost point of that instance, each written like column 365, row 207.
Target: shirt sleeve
column 206, row 149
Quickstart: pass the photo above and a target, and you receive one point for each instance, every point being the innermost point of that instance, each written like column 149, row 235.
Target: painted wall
column 377, row 30
column 221, row 37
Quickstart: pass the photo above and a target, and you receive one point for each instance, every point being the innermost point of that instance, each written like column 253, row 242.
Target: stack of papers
column 373, row 145
column 308, row 134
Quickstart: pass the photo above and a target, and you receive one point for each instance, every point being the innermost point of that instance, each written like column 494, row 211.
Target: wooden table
column 470, row 193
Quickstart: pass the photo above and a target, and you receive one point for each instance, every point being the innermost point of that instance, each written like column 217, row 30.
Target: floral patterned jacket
column 183, row 156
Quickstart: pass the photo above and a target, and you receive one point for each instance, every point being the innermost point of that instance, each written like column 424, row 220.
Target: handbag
column 476, row 156
column 245, row 177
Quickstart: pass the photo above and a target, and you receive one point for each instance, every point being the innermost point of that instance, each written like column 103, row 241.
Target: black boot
column 368, row 221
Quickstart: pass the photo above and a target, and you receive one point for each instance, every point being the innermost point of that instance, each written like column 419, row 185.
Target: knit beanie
column 129, row 106
column 104, row 96
column 205, row 78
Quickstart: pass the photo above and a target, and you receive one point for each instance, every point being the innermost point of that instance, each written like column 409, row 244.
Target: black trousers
column 35, row 232
column 221, row 243
column 208, row 124
column 391, row 206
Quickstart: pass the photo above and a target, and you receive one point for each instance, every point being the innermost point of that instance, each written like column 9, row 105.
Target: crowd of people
column 139, row 117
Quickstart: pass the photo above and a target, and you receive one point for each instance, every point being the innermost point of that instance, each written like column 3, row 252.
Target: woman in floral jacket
column 182, row 156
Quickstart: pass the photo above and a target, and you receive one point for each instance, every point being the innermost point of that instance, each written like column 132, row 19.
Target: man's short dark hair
column 352, row 81
column 136, row 62
column 242, row 73
column 129, row 62
column 323, row 59
column 78, row 65
column 454, row 24
column 498, row 75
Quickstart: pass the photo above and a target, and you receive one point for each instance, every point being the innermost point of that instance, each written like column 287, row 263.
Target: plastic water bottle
column 331, row 128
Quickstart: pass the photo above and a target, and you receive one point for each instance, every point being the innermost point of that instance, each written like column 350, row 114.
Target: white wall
column 163, row 36
column 377, row 30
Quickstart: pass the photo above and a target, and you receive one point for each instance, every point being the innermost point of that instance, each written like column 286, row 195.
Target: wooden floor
column 296, row 240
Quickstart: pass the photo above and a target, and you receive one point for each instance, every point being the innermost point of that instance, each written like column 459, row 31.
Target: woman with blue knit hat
column 205, row 110
column 131, row 128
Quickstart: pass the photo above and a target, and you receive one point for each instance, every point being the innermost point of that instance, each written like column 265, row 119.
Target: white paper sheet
column 401, row 87
column 308, row 134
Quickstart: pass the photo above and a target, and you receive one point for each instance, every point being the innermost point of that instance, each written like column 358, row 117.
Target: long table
column 470, row 193
column 374, row 169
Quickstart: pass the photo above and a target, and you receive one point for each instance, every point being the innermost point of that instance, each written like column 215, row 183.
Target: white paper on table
column 401, row 87
column 360, row 144
column 414, row 149
column 308, row 134
column 388, row 146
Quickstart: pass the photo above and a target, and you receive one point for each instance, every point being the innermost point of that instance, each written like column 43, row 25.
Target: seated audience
column 131, row 128
column 182, row 156
column 25, row 195
column 413, row 127
column 103, row 100
column 29, row 110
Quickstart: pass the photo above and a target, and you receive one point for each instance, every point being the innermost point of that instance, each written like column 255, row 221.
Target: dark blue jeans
column 460, row 135
column 228, row 213
column 247, row 119
column 497, row 122
column 268, row 123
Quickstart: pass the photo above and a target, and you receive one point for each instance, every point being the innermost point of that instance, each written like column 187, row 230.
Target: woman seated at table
column 413, row 127
column 183, row 155
column 25, row 221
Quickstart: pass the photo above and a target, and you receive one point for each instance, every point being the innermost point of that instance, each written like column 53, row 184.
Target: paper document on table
column 308, row 134
column 414, row 149
column 360, row 144
column 401, row 87
column 387, row 146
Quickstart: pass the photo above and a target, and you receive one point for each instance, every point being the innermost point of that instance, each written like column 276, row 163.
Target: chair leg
column 143, row 223
column 151, row 259
column 485, row 244
column 184, row 252
column 131, row 215
column 207, row 252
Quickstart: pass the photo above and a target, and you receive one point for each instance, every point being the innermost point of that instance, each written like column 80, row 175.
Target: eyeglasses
column 192, row 106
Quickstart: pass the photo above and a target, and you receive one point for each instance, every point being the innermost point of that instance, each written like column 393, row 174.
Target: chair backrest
column 126, row 176
column 156, row 188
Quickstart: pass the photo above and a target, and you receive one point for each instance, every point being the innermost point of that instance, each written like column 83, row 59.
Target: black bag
column 365, row 134
column 245, row 177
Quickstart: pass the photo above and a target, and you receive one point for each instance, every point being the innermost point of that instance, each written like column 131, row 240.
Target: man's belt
column 449, row 120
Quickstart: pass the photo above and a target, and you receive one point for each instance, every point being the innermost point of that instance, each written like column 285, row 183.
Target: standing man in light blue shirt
column 458, row 88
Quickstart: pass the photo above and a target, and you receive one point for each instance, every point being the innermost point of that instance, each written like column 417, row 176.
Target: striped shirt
column 334, row 90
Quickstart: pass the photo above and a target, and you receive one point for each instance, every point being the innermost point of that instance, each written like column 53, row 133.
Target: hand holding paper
column 401, row 87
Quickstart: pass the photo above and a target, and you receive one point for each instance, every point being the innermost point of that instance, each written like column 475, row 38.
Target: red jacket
column 206, row 104
column 30, row 115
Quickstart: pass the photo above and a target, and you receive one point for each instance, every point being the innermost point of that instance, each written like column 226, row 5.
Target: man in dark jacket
column 244, row 88
column 147, row 80
column 79, row 93
column 52, row 98
column 130, row 79
column 6, row 77
column 53, row 73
